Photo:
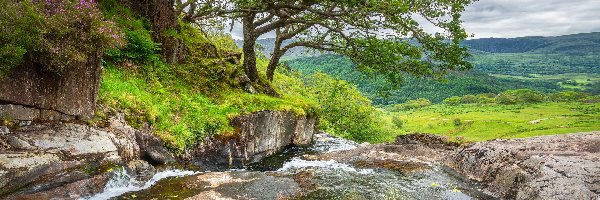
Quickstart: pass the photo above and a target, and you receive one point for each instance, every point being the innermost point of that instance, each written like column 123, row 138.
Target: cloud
column 517, row 18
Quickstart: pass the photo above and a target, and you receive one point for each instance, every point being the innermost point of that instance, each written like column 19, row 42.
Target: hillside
column 576, row 44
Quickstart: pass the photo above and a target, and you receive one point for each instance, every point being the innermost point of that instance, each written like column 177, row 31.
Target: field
column 474, row 122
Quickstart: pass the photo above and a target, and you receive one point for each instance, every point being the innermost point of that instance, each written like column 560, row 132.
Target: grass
column 179, row 114
column 577, row 80
column 486, row 122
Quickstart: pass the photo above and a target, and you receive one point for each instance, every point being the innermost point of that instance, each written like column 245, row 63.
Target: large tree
column 381, row 36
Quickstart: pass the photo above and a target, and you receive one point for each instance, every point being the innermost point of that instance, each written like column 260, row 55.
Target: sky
column 518, row 18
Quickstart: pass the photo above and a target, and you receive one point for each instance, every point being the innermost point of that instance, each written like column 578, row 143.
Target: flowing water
column 329, row 179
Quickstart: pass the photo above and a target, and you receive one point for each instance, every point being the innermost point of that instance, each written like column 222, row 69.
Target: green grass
column 486, row 122
column 577, row 80
column 180, row 115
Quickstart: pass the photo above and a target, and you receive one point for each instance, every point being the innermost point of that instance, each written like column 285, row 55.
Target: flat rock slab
column 222, row 185
column 548, row 167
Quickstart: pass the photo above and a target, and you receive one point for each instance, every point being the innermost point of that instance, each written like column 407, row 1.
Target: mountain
column 576, row 44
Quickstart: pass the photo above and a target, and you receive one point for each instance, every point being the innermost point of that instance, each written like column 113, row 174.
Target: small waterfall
column 299, row 164
column 122, row 183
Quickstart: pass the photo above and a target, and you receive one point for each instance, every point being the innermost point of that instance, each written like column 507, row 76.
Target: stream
column 285, row 174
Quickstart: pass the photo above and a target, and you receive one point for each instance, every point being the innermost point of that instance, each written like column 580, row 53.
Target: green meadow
column 476, row 122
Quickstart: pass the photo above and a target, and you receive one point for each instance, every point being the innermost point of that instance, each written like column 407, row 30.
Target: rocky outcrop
column 65, row 160
column 548, row 167
column 257, row 136
column 31, row 92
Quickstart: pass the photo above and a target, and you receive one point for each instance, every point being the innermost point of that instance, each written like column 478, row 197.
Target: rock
column 159, row 155
column 223, row 185
column 26, row 160
column 32, row 88
column 4, row 130
column 152, row 148
column 17, row 143
column 124, row 138
column 75, row 190
column 141, row 170
column 18, row 112
column 257, row 136
column 549, row 167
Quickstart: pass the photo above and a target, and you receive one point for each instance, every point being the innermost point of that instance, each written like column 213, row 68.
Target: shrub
column 520, row 96
column 413, row 104
column 457, row 122
column 452, row 101
column 397, row 121
column 59, row 34
column 567, row 96
column 469, row 99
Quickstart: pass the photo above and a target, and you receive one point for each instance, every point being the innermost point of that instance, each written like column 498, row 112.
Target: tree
column 380, row 36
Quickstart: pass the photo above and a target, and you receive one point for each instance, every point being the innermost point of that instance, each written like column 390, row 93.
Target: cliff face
column 258, row 135
column 31, row 93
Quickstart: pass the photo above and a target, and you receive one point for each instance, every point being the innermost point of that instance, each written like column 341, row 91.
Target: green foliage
column 59, row 34
column 452, row 101
column 457, row 122
column 491, row 121
column 520, row 96
column 397, row 122
column 19, row 32
column 381, row 92
column 567, row 96
column 413, row 104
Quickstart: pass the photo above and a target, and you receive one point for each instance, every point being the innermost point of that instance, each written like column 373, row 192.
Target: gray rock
column 18, row 112
column 4, row 130
column 18, row 143
column 257, row 136
column 549, row 167
column 141, row 170
column 159, row 156
column 124, row 138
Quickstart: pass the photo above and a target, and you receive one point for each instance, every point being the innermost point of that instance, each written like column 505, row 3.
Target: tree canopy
column 380, row 36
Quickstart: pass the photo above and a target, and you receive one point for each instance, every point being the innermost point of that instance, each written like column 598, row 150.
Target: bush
column 457, row 122
column 567, row 96
column 520, row 96
column 467, row 99
column 452, row 101
column 59, row 34
column 397, row 121
column 413, row 104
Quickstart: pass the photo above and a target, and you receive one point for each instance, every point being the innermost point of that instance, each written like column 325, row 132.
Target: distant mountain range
column 576, row 44
column 582, row 43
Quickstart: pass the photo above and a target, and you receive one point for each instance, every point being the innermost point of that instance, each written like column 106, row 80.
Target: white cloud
column 517, row 18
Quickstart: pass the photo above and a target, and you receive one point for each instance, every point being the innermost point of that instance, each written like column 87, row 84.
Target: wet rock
column 18, row 112
column 159, row 155
column 141, row 170
column 75, row 190
column 257, row 136
column 548, row 167
column 223, row 185
column 17, row 143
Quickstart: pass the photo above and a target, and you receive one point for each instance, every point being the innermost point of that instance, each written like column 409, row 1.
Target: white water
column 122, row 183
column 325, row 143
column 297, row 163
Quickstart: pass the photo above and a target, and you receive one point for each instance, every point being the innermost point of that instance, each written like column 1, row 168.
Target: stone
column 257, row 136
column 26, row 160
column 17, row 143
column 71, row 140
column 18, row 112
column 71, row 92
column 159, row 156
column 141, row 170
column 548, row 167
column 4, row 130
column 75, row 190
column 124, row 138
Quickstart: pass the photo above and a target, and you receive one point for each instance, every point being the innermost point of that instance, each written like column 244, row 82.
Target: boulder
column 257, row 136
column 548, row 167
column 30, row 92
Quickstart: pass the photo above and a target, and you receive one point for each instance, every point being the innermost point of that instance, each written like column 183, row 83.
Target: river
column 289, row 176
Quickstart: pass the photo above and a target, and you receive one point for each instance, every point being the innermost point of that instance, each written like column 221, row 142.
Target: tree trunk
column 275, row 57
column 249, row 48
